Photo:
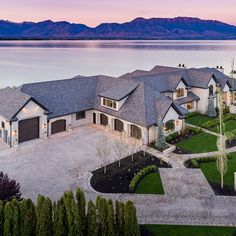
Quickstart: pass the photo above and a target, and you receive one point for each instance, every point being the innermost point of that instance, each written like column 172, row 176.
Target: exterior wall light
column 45, row 126
column 15, row 132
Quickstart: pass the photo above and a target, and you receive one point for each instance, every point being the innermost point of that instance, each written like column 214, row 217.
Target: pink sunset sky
column 93, row 12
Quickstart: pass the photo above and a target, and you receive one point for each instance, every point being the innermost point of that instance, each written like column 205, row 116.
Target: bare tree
column 103, row 151
column 120, row 148
column 134, row 147
column 221, row 161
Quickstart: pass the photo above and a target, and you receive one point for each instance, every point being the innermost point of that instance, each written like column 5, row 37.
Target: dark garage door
column 28, row 129
column 119, row 125
column 58, row 126
column 104, row 120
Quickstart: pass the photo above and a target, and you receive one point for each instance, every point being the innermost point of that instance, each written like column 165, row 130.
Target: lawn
column 199, row 143
column 212, row 175
column 150, row 184
column 175, row 230
column 198, row 120
column 229, row 126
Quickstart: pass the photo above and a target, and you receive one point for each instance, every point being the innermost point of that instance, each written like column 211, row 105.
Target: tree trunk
column 105, row 170
column 119, row 163
column 132, row 158
column 222, row 181
column 144, row 153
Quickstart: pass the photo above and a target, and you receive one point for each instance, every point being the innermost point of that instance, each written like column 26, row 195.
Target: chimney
column 182, row 66
column 220, row 68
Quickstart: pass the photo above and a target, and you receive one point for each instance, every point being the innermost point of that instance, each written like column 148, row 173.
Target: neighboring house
column 132, row 103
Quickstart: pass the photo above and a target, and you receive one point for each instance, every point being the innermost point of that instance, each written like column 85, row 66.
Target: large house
column 132, row 103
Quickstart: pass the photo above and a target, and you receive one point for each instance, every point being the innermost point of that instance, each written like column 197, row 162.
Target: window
column 3, row 125
column 180, row 92
column 190, row 105
column 169, row 126
column 80, row 115
column 109, row 103
column 210, row 90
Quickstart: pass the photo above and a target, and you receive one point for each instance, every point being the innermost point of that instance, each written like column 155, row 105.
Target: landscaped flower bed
column 117, row 179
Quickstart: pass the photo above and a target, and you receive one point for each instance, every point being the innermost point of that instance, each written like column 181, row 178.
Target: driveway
column 57, row 164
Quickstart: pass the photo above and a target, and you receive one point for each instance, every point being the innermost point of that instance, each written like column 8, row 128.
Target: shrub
column 140, row 175
column 9, row 189
column 92, row 224
column 120, row 220
column 110, row 219
column 81, row 207
column 226, row 110
column 1, row 218
column 131, row 225
column 192, row 114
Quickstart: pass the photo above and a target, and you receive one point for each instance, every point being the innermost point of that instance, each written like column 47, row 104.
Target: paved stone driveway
column 54, row 165
column 65, row 162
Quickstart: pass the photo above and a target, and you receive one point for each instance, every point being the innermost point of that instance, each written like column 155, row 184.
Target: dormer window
column 180, row 92
column 109, row 103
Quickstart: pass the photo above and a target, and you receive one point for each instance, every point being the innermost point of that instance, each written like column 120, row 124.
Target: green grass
column 199, row 143
column 150, row 184
column 198, row 120
column 212, row 175
column 174, row 230
column 229, row 126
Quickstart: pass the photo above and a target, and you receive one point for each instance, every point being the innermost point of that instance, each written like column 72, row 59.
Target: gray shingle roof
column 12, row 101
column 64, row 96
column 120, row 90
column 163, row 82
column 189, row 98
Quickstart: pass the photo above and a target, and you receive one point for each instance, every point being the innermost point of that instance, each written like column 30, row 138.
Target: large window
column 109, row 103
column 80, row 115
column 190, row 105
column 180, row 92
column 169, row 126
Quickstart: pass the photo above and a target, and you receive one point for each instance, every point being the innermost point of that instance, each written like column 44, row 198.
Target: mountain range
column 179, row 28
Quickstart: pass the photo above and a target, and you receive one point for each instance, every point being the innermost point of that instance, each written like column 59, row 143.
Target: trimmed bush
column 140, row 175
column 131, row 225
column 81, row 207
column 27, row 218
column 120, row 220
column 194, row 163
column 192, row 114
column 102, row 215
column 110, row 219
column 92, row 224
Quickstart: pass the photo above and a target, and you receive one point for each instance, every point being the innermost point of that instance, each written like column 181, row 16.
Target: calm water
column 31, row 61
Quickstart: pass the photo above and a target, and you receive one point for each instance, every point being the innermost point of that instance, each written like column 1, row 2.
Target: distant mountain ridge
column 185, row 28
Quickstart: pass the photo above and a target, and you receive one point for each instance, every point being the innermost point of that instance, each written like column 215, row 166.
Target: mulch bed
column 117, row 179
column 231, row 143
column 180, row 150
column 226, row 191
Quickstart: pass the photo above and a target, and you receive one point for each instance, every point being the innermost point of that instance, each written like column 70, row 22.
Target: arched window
column 210, row 90
column 169, row 126
column 136, row 132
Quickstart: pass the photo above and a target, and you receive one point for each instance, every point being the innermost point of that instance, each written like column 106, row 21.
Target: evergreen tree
column 120, row 218
column 92, row 225
column 72, row 214
column 161, row 140
column 44, row 216
column 102, row 215
column 28, row 218
column 81, row 208
column 12, row 218
column 211, row 111
column 110, row 219
column 1, row 217
column 131, row 224
column 60, row 218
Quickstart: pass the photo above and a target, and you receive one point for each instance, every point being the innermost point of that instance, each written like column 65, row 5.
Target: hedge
column 179, row 135
column 192, row 114
column 140, row 175
column 61, row 218
column 194, row 163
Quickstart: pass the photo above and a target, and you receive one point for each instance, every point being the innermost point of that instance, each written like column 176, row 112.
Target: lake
column 32, row 61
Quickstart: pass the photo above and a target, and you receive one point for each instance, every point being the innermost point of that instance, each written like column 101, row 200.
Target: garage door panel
column 58, row 126
column 28, row 129
column 104, row 120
